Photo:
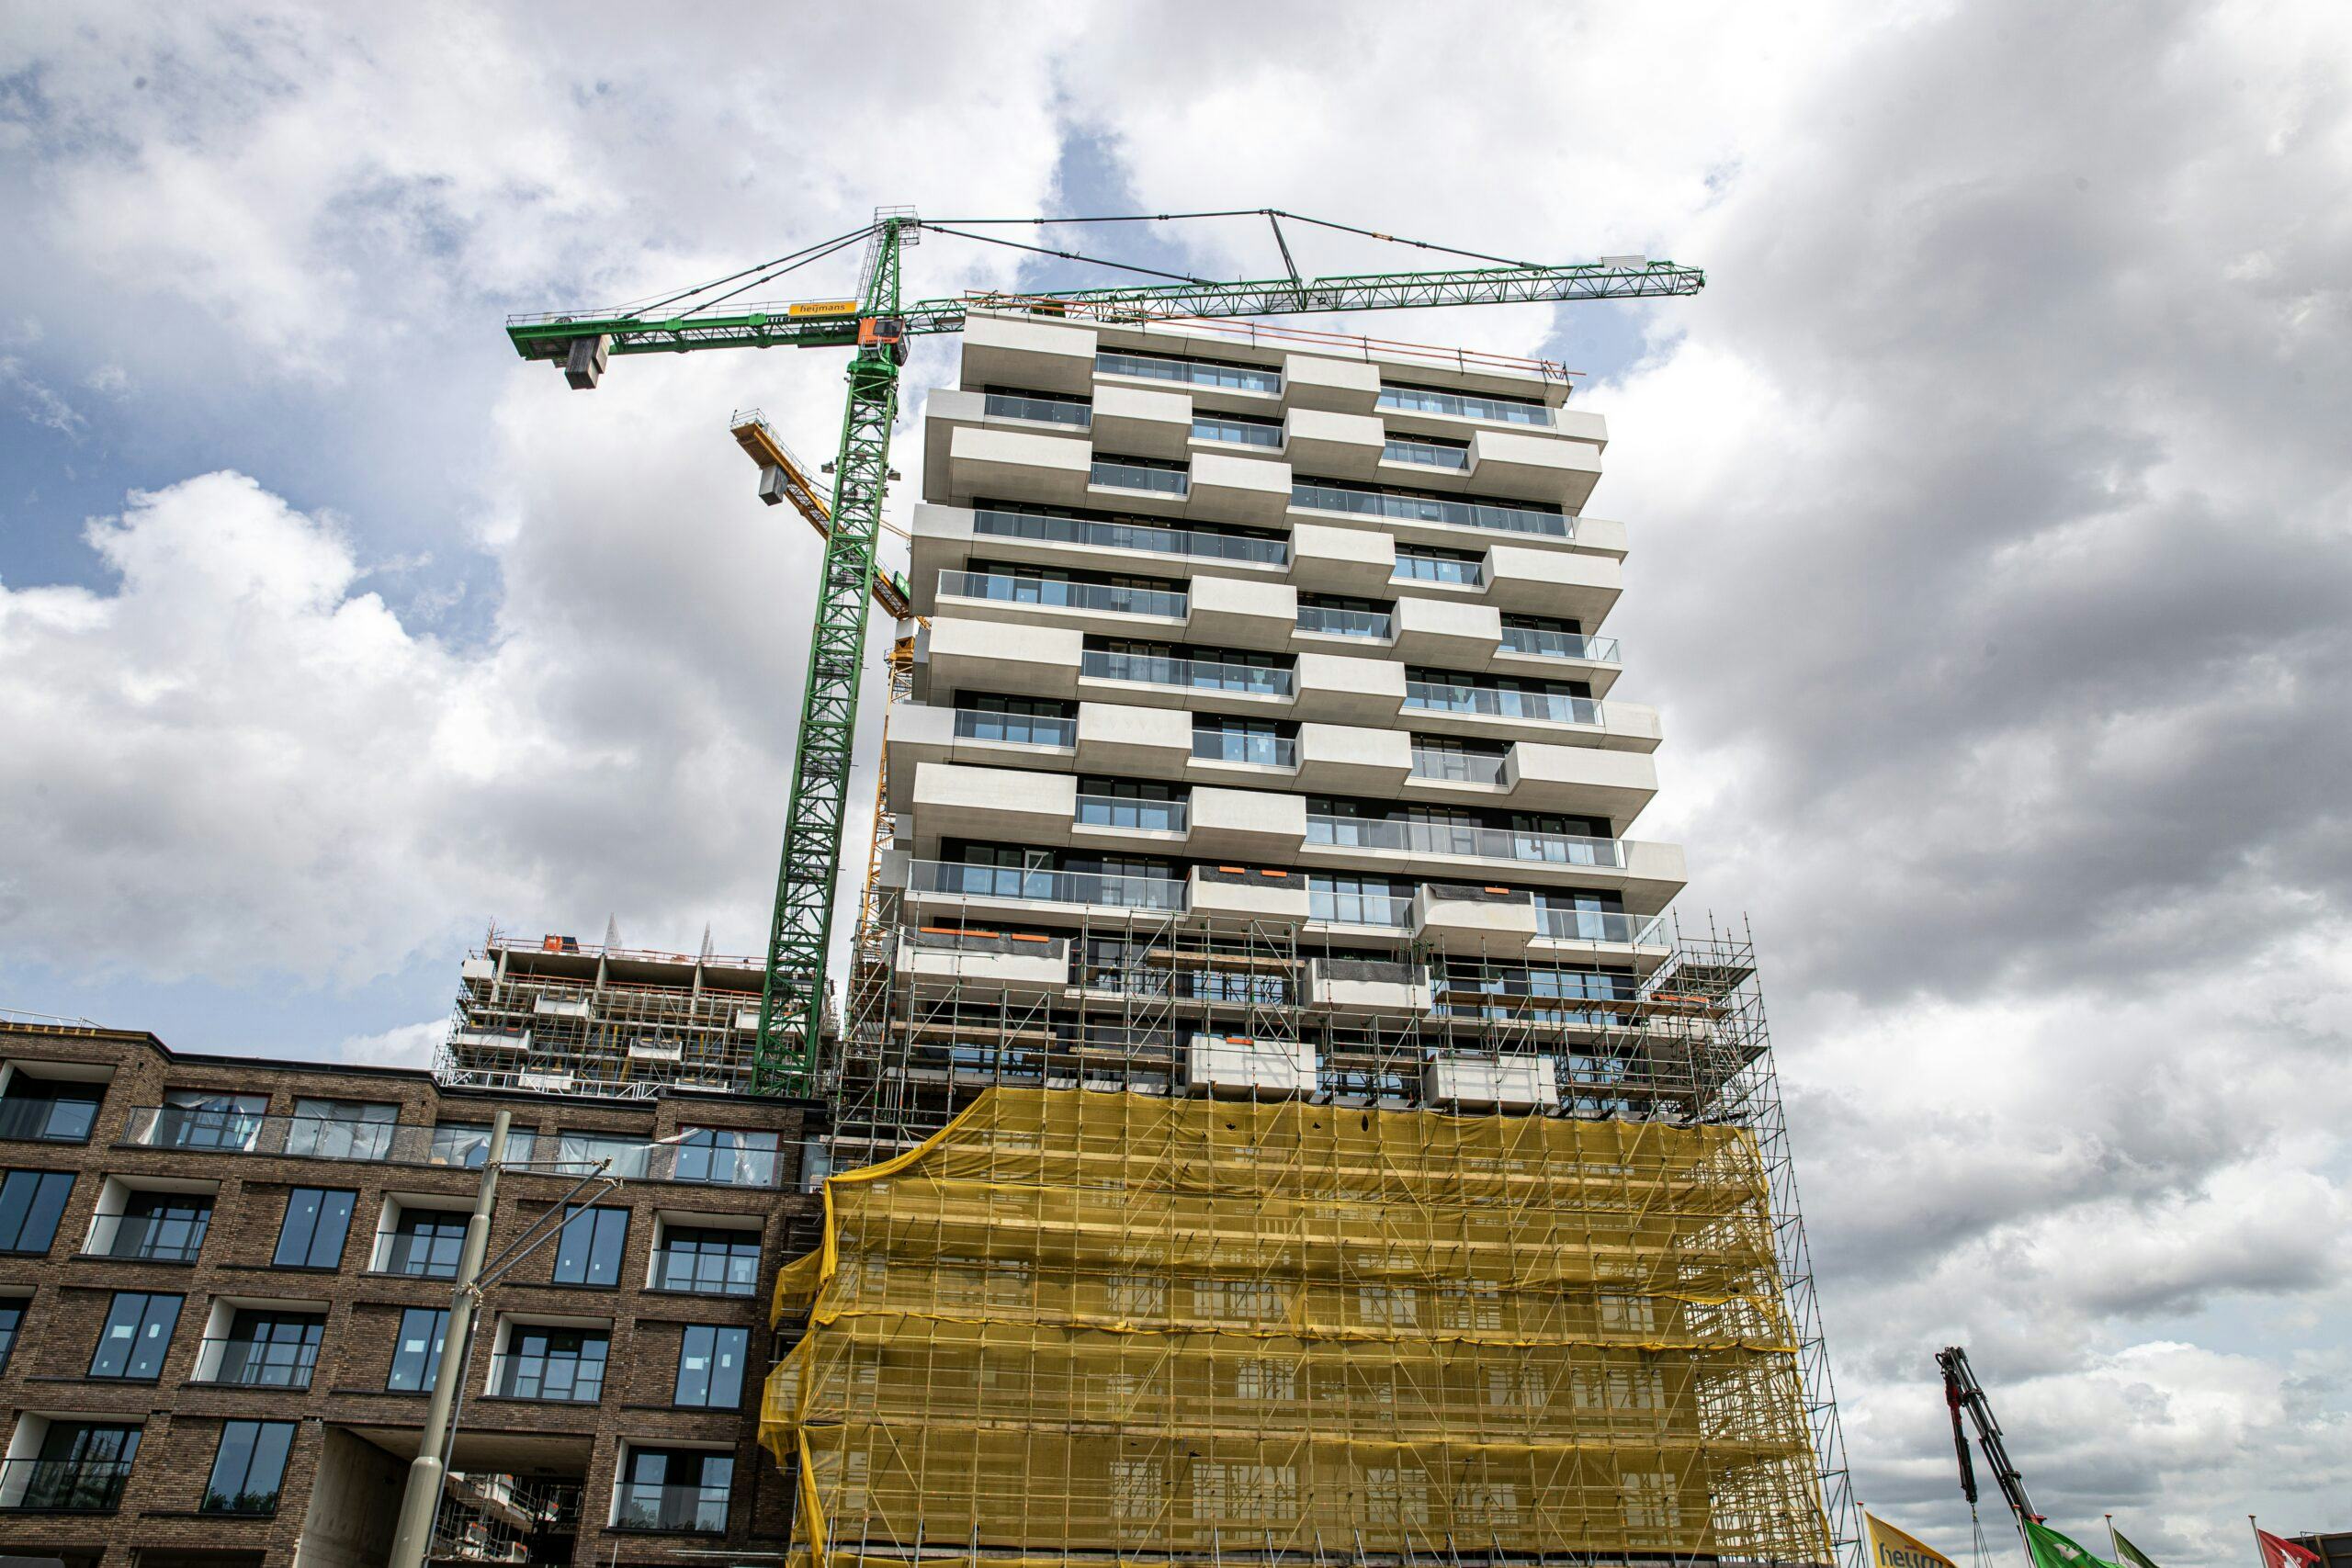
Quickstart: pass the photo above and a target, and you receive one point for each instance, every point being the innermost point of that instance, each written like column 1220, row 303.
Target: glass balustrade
column 1446, row 510
column 1204, row 675
column 1437, row 568
column 1605, row 925
column 1050, row 410
column 1015, row 729
column 997, row 524
column 1126, row 811
column 1241, row 377
column 1265, row 751
column 1560, row 645
column 1057, row 593
column 1464, row 405
column 1242, row 432
column 257, row 1363
column 1543, row 706
column 1389, row 911
column 164, row 1238
column 1429, row 454
column 1375, row 623
column 1039, row 885
column 1448, row 839
column 647, row 1506
column 1459, row 767
column 1139, row 476
column 64, row 1486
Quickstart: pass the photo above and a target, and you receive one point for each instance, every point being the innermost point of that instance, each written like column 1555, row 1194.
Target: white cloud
column 407, row 1046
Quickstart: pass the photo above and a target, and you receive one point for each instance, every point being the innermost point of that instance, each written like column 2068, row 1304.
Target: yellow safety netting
column 1076, row 1322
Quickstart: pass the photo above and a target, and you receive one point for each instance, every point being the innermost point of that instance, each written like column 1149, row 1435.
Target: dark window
column 710, row 1366
column 554, row 1363
column 675, row 1489
column 12, row 1318
column 265, row 1350
column 715, row 1263
column 317, row 1220
column 166, row 1226
column 81, row 1468
column 727, row 1157
column 249, row 1467
column 138, row 1333
column 30, row 1202
column 49, row 1110
column 416, row 1353
column 425, row 1243
column 589, row 1251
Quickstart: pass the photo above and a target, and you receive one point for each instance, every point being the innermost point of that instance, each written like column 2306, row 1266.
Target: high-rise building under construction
column 1275, row 1116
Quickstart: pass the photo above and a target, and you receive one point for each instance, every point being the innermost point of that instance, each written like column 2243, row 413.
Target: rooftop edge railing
column 1320, row 496
column 1058, row 593
column 1201, row 674
column 1039, row 885
column 1001, row 524
column 1501, row 702
column 1481, row 843
column 1560, row 645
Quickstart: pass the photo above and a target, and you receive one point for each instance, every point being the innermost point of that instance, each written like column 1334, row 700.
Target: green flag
column 2128, row 1555
column 2051, row 1549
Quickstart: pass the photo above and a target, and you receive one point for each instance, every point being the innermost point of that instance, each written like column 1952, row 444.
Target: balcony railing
column 1544, row 706
column 47, row 1121
column 1390, row 911
column 1377, row 624
column 997, row 524
column 1264, row 750
column 162, row 1238
column 255, row 1363
column 1478, row 843
column 1437, row 568
column 1046, row 886
column 1464, row 405
column 1606, row 925
column 707, row 1272
column 1206, row 674
column 238, row 1132
column 64, row 1486
column 1057, row 593
column 1430, row 454
column 1241, row 432
column 644, row 1506
column 1051, row 410
column 1117, row 475
column 1015, row 729
column 1459, row 767
column 563, row 1380
column 419, row 1257
column 1125, row 811
column 1446, row 510
column 1247, row 379
column 1560, row 645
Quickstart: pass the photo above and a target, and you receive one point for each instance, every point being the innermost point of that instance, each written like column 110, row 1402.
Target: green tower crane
column 876, row 326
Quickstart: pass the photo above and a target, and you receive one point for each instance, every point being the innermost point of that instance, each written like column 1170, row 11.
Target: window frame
column 141, row 1331
column 311, row 1248
column 283, row 1433
column 716, row 1347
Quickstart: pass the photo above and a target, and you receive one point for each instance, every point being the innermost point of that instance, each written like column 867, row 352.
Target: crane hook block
column 583, row 365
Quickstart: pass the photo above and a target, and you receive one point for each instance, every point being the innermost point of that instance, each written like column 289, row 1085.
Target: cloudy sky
column 1989, row 516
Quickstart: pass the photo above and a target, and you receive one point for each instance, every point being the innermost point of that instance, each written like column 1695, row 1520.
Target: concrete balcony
column 1647, row 875
column 1368, row 986
column 1123, row 741
column 947, row 537
column 1194, row 684
column 1004, row 963
column 1459, row 1080
column 921, row 732
column 1146, row 420
column 1342, row 561
column 1439, row 708
column 1240, row 891
column 1337, row 385
column 1551, row 656
column 1510, row 463
column 1571, row 585
column 1584, row 780
column 1232, row 611
column 1338, row 758
column 1448, row 634
column 1475, row 918
column 993, row 460
column 1004, row 597
column 1235, row 1066
column 1246, row 824
column 1013, row 892
column 1346, row 444
column 1228, row 488
column 958, row 802
column 1333, row 689
column 1590, row 937
column 1469, row 522
column 1023, row 350
column 968, row 655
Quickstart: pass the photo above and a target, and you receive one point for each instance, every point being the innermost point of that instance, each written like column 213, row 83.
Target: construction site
column 1273, row 1113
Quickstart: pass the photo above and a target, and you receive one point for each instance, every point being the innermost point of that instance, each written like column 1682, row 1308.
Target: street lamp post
column 420, row 1501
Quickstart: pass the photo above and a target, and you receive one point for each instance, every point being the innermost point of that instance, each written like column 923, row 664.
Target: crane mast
column 875, row 325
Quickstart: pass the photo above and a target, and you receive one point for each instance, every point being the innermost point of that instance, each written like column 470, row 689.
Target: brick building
column 220, row 1287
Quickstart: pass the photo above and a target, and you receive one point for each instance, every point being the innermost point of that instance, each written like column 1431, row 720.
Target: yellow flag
column 1891, row 1547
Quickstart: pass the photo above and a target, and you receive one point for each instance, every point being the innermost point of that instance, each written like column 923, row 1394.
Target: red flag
column 2278, row 1552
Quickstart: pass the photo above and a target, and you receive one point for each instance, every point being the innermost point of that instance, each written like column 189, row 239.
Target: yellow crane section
column 785, row 479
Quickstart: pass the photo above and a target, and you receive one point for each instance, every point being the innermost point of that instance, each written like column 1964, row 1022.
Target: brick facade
column 354, row 1437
